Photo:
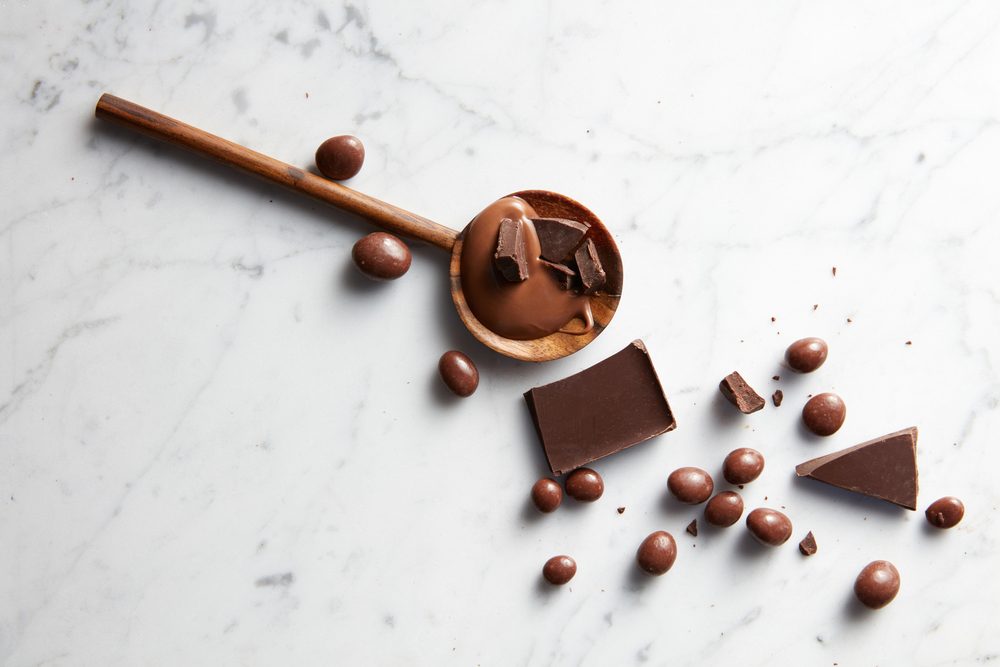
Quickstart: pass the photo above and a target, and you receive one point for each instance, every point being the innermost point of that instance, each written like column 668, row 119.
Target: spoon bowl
column 556, row 345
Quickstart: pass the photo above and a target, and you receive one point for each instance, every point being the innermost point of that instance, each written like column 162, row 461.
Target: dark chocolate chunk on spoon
column 558, row 237
column 509, row 257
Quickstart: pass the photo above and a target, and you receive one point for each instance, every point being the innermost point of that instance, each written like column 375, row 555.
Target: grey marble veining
column 220, row 445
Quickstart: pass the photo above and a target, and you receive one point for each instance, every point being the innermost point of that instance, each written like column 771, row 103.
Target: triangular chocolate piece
column 558, row 237
column 884, row 468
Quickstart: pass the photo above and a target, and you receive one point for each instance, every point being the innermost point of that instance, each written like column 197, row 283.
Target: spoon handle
column 384, row 215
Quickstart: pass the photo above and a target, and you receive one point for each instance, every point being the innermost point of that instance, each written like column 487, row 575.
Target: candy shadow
column 841, row 498
column 636, row 579
column 749, row 548
column 854, row 611
column 531, row 514
column 439, row 390
column 352, row 278
column 934, row 532
column 724, row 413
column 544, row 589
column 807, row 435
column 675, row 509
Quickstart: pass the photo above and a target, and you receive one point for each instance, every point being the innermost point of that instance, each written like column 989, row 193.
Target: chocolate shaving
column 777, row 397
column 692, row 527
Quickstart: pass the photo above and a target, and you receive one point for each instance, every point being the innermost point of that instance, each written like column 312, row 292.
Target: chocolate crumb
column 849, row 320
column 621, row 510
column 777, row 396
column 834, row 272
column 909, row 342
column 775, row 377
column 693, row 527
column 772, row 319
column 815, row 306
column 808, row 545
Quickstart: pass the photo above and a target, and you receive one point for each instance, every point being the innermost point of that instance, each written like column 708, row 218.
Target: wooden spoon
column 396, row 220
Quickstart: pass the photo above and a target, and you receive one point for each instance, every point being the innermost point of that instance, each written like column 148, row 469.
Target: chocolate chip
column 808, row 545
column 509, row 257
column 742, row 465
column 806, row 354
column 777, row 397
column 690, row 485
column 458, row 372
column 657, row 553
column 381, row 256
column 547, row 495
column 692, row 528
column 740, row 394
column 945, row 512
column 824, row 413
column 585, row 485
column 558, row 570
column 770, row 527
column 877, row 584
column 724, row 509
column 340, row 157
column 558, row 237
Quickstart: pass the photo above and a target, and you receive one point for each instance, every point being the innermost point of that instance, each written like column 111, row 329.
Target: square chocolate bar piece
column 604, row 409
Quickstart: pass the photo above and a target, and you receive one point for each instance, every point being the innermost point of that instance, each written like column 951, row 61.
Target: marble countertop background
column 221, row 445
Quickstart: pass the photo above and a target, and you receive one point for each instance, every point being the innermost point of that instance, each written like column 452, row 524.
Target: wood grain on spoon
column 387, row 216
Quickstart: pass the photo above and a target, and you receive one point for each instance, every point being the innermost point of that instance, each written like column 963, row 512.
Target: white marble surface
column 219, row 445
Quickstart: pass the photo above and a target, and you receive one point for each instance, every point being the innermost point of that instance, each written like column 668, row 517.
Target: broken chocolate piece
column 693, row 527
column 740, row 394
column 591, row 272
column 509, row 257
column 604, row 409
column 884, row 468
column 558, row 237
column 777, row 397
column 808, row 544
column 564, row 274
column 621, row 510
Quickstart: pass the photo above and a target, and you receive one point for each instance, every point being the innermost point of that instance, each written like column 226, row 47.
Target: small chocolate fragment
column 657, row 553
column 724, row 509
column 690, row 485
column 604, row 409
column 621, row 510
column 777, row 397
column 339, row 158
column 806, row 354
column 381, row 256
column 692, row 528
column 877, row 584
column 564, row 274
column 458, row 372
column 740, row 394
column 558, row 237
column 808, row 545
column 547, row 495
column 592, row 274
column 510, row 257
column 770, row 527
column 945, row 512
column 585, row 485
column 558, row 570
column 884, row 468
column 824, row 414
